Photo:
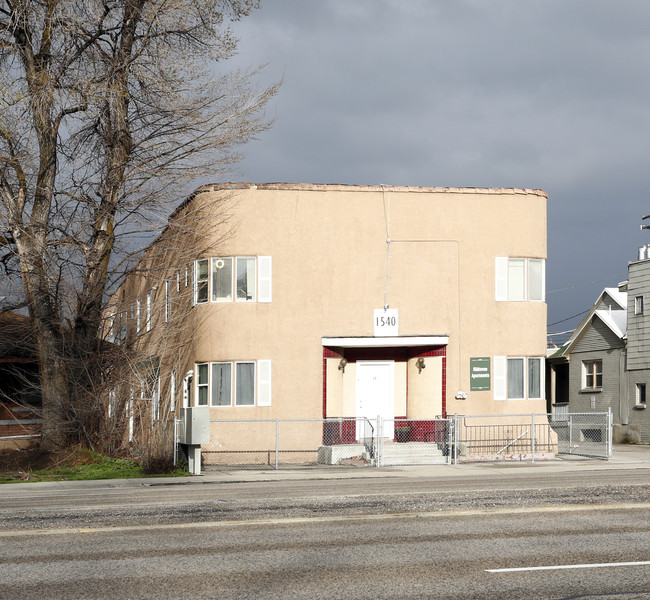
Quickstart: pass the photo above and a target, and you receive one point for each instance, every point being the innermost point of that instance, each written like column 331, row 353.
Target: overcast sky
column 550, row 94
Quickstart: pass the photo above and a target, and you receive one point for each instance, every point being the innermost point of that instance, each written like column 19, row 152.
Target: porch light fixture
column 342, row 364
column 419, row 363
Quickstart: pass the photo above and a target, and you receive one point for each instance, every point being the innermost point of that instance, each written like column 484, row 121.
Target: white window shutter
column 193, row 284
column 264, row 272
column 263, row 383
column 500, row 377
column 501, row 278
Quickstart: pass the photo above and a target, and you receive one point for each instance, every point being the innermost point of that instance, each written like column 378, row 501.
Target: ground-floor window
column 233, row 383
column 518, row 378
column 640, row 393
column 592, row 374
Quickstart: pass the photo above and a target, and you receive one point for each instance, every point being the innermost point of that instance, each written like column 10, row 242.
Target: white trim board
column 386, row 342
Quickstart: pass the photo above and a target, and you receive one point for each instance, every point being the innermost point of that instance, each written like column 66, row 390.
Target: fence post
column 570, row 434
column 456, row 439
column 609, row 431
column 277, row 442
column 532, row 441
column 380, row 441
column 175, row 442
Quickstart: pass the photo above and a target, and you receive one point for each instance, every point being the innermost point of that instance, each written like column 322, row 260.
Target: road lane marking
column 325, row 519
column 558, row 567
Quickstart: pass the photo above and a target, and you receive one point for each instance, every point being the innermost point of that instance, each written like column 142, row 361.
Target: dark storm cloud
column 550, row 94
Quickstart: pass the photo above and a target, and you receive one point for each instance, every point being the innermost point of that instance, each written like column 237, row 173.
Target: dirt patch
column 33, row 459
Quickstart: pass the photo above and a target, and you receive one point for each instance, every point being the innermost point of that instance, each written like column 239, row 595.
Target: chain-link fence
column 290, row 442
column 530, row 437
column 386, row 442
column 583, row 434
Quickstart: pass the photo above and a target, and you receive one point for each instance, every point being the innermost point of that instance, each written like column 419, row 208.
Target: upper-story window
column 245, row 282
column 201, row 270
column 519, row 279
column 638, row 305
column 149, row 309
column 138, row 315
column 222, row 279
column 233, row 278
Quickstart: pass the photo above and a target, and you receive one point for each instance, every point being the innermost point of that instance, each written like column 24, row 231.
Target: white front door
column 375, row 392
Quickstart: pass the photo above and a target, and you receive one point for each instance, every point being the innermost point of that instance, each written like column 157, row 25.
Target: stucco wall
column 329, row 252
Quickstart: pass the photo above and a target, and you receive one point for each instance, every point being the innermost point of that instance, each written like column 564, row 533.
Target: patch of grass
column 83, row 464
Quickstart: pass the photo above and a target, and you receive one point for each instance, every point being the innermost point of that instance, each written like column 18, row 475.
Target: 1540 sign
column 386, row 322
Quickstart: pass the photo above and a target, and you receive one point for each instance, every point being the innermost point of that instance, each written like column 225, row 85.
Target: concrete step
column 412, row 453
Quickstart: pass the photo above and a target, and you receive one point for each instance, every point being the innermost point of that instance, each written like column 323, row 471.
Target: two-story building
column 312, row 301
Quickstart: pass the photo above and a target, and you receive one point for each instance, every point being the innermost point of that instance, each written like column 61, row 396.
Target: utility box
column 195, row 425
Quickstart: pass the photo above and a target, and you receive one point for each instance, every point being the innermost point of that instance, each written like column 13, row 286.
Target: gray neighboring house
column 606, row 361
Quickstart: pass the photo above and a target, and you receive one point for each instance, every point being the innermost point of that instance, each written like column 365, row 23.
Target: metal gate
column 583, row 434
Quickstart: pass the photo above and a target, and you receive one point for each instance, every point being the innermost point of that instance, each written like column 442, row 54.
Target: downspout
column 623, row 408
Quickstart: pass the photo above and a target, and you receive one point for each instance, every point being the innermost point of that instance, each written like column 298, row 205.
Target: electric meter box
column 195, row 425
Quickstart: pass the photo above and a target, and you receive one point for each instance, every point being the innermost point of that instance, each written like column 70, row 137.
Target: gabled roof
column 614, row 319
column 616, row 295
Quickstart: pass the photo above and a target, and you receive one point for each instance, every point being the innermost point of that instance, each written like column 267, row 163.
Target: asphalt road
column 355, row 537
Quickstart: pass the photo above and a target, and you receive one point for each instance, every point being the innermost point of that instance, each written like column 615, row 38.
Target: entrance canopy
column 398, row 341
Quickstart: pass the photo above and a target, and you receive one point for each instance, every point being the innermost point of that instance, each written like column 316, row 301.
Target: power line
column 584, row 312
column 573, row 287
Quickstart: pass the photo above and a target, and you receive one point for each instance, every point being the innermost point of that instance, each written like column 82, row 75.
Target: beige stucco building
column 344, row 301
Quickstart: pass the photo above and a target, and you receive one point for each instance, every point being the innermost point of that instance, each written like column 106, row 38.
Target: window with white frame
column 168, row 300
column 221, row 393
column 138, row 315
column 592, row 374
column 640, row 394
column 222, row 279
column 233, row 278
column 201, row 282
column 202, row 381
column 111, row 327
column 234, row 383
column 131, row 415
column 122, row 326
column 172, row 391
column 245, row 279
column 519, row 279
column 518, row 378
column 155, row 400
column 638, row 305
column 111, row 403
column 149, row 306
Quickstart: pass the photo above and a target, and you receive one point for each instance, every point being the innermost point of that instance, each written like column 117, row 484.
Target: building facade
column 607, row 357
column 348, row 301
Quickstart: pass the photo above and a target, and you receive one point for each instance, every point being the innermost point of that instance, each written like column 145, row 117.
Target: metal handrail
column 512, row 442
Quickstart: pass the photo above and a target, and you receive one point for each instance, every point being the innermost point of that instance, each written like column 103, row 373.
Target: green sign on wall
column 479, row 374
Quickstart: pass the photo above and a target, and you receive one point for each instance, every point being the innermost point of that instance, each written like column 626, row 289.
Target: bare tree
column 109, row 109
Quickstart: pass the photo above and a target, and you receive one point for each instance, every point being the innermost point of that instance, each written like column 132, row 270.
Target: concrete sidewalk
column 623, row 457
